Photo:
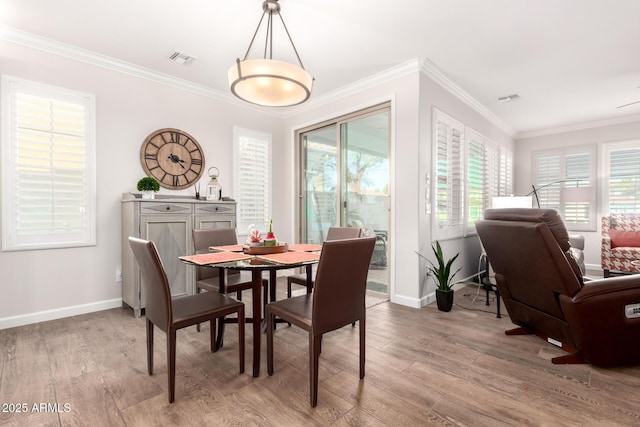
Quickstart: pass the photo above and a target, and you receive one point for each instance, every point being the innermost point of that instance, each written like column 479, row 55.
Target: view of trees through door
column 344, row 170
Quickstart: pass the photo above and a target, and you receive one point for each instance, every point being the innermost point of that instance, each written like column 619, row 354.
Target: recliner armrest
column 596, row 315
column 576, row 241
column 601, row 287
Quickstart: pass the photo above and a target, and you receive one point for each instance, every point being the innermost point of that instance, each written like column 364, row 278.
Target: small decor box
column 265, row 250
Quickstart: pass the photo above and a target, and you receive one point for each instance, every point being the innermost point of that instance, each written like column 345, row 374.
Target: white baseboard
column 407, row 301
column 593, row 267
column 59, row 313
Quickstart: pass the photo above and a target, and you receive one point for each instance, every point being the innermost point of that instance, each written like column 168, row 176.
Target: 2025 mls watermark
column 23, row 407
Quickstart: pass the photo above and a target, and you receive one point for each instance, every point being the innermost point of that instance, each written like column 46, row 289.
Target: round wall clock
column 173, row 157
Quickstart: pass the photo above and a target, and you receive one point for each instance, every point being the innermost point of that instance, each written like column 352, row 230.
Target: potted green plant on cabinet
column 148, row 186
column 443, row 277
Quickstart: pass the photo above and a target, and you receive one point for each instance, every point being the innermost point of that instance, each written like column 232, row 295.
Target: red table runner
column 227, row 248
column 290, row 257
column 215, row 258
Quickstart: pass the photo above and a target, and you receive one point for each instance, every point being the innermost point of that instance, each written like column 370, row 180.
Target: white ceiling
column 571, row 61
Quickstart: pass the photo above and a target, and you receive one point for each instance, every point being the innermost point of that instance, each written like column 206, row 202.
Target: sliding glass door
column 344, row 170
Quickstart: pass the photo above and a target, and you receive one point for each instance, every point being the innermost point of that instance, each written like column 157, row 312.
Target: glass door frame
column 300, row 179
column 300, row 152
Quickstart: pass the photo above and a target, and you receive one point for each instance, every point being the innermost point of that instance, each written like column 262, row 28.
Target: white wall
column 594, row 135
column 433, row 95
column 46, row 284
column 37, row 285
column 404, row 165
column 413, row 95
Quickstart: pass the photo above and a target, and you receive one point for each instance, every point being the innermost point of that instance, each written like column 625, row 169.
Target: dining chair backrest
column 204, row 238
column 341, row 281
column 339, row 233
column 154, row 282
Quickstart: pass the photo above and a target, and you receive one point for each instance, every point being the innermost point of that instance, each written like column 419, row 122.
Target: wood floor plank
column 26, row 377
column 375, row 401
column 423, row 367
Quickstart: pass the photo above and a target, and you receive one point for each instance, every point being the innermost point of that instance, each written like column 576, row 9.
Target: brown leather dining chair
column 170, row 315
column 334, row 233
column 207, row 278
column 338, row 299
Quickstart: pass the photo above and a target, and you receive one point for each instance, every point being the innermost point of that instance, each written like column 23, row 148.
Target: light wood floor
column 424, row 367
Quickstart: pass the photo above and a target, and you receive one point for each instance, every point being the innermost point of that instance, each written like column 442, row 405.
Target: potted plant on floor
column 149, row 187
column 443, row 277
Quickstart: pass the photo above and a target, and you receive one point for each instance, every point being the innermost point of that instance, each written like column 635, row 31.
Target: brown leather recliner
column 544, row 293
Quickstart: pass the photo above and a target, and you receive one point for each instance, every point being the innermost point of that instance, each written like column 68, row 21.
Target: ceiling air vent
column 182, row 58
column 508, row 98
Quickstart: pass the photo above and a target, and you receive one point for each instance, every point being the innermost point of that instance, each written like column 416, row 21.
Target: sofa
column 620, row 243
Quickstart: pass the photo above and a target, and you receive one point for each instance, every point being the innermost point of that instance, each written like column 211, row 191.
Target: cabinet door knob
column 168, row 207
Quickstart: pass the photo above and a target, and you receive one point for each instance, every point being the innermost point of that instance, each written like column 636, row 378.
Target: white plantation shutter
column 253, row 176
column 483, row 167
column 578, row 175
column 624, row 177
column 547, row 170
column 505, row 173
column 448, row 181
column 48, row 167
column 572, row 174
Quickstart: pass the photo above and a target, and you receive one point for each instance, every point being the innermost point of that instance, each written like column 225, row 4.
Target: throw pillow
column 624, row 239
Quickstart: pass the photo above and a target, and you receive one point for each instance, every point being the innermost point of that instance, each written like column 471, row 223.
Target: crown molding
column 346, row 91
column 414, row 65
column 432, row 71
column 580, row 126
column 54, row 47
column 78, row 54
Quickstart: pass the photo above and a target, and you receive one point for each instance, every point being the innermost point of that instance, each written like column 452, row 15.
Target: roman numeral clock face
column 173, row 157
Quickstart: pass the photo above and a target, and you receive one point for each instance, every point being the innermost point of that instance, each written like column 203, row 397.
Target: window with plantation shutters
column 252, row 172
column 448, row 176
column 623, row 164
column 48, row 180
column 565, row 181
column 505, row 173
column 482, row 177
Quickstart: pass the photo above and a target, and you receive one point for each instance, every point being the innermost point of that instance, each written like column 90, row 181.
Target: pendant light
column 269, row 82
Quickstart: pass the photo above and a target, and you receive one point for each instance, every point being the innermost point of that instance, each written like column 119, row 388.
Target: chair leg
column 171, row 363
column 362, row 326
column 212, row 327
column 149, row 347
column 198, row 290
column 270, row 323
column 220, row 339
column 288, row 293
column 265, row 295
column 314, row 356
column 606, row 272
column 241, row 337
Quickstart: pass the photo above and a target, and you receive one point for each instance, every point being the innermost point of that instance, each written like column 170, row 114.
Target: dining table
column 235, row 257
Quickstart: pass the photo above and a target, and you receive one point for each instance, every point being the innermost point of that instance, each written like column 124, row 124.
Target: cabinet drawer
column 216, row 208
column 161, row 208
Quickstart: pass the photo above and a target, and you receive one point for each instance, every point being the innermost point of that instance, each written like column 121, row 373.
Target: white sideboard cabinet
column 167, row 221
